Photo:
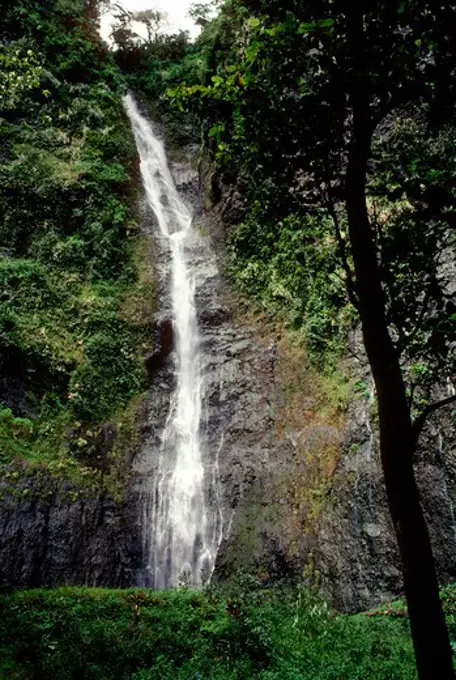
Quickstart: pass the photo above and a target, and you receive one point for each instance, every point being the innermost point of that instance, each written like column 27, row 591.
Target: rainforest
column 227, row 340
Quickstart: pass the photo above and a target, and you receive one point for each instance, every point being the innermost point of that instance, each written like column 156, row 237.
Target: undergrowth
column 249, row 632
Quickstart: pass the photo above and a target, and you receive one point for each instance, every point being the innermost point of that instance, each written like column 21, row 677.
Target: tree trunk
column 430, row 636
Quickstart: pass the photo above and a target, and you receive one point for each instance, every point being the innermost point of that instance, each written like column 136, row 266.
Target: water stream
column 179, row 537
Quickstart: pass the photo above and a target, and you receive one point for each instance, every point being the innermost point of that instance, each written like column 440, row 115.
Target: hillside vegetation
column 76, row 289
column 263, row 89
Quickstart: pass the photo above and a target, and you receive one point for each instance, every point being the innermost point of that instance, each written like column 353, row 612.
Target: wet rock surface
column 57, row 539
column 356, row 553
column 347, row 546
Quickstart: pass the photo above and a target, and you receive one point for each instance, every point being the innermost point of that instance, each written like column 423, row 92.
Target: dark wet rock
column 234, row 207
column 163, row 346
column 22, row 375
column 55, row 538
column 213, row 316
column 105, row 439
column 356, row 552
column 13, row 379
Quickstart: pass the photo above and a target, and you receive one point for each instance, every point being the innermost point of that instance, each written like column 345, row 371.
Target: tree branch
column 423, row 311
column 420, row 421
column 342, row 245
column 412, row 394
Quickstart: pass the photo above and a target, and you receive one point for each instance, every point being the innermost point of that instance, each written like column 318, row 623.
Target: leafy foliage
column 412, row 206
column 19, row 75
column 274, row 113
column 68, row 232
column 251, row 632
column 164, row 62
column 278, row 264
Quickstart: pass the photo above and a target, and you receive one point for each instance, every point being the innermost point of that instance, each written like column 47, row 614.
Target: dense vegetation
column 273, row 125
column 250, row 633
column 76, row 292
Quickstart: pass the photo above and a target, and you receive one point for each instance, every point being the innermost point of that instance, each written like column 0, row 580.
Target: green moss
column 315, row 410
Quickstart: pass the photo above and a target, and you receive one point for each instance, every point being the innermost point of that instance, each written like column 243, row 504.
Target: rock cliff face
column 357, row 553
column 54, row 539
column 313, row 503
column 296, row 482
column 314, row 506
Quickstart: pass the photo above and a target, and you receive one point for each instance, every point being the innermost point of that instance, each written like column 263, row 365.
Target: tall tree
column 201, row 13
column 154, row 20
column 125, row 39
column 398, row 433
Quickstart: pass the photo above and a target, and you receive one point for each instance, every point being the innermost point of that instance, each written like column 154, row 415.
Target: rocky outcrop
column 363, row 567
column 311, row 504
column 52, row 538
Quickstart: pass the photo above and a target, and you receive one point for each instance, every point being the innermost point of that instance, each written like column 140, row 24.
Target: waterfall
column 179, row 537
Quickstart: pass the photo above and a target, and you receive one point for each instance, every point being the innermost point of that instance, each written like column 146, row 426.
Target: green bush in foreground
column 274, row 633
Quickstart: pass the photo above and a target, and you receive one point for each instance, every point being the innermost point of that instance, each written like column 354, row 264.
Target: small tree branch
column 419, row 321
column 342, row 245
column 419, row 422
column 411, row 396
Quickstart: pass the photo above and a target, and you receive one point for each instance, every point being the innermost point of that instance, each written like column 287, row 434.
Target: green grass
column 252, row 632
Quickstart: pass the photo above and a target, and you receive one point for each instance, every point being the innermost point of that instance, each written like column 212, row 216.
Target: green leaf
column 217, row 80
column 307, row 28
column 326, row 23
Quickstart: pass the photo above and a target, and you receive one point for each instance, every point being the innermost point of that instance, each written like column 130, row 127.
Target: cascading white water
column 179, row 538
